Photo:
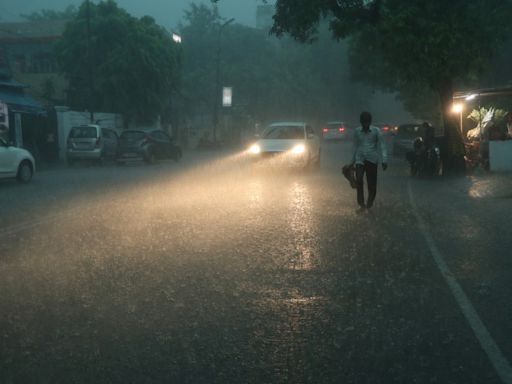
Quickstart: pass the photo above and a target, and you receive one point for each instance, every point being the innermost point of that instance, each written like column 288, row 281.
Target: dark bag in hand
column 349, row 171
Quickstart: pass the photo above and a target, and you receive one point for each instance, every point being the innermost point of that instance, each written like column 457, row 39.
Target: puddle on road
column 303, row 233
column 488, row 188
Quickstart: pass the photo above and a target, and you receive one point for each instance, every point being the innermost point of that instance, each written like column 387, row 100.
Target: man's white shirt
column 369, row 146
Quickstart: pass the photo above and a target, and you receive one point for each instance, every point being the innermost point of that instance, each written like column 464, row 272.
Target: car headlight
column 299, row 149
column 255, row 149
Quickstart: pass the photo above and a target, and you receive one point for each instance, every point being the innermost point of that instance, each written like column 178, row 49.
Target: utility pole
column 90, row 80
column 217, row 96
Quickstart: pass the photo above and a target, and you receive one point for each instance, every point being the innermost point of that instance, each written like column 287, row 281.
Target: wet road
column 210, row 271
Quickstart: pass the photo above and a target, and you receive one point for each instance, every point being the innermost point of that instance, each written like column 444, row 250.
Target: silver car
column 91, row 142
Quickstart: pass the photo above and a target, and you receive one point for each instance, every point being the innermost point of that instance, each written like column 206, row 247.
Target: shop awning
column 19, row 102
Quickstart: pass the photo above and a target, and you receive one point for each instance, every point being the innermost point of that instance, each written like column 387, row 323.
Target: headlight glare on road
column 299, row 149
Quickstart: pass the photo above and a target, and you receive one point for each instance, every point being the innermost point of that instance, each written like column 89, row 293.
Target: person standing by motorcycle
column 369, row 148
column 509, row 124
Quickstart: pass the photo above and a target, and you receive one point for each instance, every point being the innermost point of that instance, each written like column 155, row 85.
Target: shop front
column 486, row 125
column 23, row 120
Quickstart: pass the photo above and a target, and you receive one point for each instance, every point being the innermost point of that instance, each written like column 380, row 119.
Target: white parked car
column 16, row 163
column 294, row 143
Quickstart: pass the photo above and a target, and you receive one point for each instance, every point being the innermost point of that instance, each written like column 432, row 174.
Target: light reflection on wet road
column 220, row 273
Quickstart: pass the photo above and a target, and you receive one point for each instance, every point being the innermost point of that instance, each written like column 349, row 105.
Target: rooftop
column 15, row 31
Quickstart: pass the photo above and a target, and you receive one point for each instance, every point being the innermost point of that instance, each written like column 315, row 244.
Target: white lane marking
column 498, row 360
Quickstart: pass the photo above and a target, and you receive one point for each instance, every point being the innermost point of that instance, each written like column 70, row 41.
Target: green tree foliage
column 272, row 78
column 125, row 64
column 68, row 13
column 404, row 45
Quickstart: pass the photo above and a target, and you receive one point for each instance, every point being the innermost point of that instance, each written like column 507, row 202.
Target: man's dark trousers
column 371, row 179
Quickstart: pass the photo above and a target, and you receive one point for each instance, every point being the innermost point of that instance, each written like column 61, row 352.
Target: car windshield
column 284, row 132
column 335, row 125
column 132, row 135
column 83, row 133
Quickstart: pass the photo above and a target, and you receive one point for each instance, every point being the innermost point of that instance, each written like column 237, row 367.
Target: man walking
column 369, row 147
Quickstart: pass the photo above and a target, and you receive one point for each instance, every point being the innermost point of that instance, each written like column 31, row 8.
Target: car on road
column 91, row 142
column 404, row 138
column 147, row 145
column 293, row 142
column 336, row 130
column 388, row 132
column 16, row 163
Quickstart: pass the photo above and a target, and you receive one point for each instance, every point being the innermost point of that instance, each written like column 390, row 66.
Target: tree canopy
column 398, row 44
column 271, row 78
column 116, row 62
column 419, row 48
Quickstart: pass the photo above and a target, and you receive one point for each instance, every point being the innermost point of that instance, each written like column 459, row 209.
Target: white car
column 16, row 163
column 293, row 143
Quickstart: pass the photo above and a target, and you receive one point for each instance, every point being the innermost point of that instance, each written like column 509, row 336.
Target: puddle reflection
column 300, row 217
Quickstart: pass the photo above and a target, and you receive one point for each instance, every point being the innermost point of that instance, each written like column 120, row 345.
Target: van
column 91, row 142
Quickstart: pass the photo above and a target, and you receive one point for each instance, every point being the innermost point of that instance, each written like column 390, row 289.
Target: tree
column 421, row 43
column 118, row 63
column 272, row 79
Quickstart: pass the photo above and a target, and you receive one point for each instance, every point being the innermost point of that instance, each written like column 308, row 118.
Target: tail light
column 341, row 129
column 98, row 142
column 325, row 130
column 385, row 129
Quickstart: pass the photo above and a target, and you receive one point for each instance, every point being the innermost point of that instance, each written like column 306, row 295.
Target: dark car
column 147, row 145
column 404, row 138
column 337, row 130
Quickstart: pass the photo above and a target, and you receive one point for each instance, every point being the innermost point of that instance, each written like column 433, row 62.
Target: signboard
column 227, row 96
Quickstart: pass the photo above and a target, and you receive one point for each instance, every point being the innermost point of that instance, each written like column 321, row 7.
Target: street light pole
column 175, row 118
column 90, row 92
column 217, row 81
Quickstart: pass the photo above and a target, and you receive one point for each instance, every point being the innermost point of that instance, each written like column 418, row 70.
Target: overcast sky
column 166, row 12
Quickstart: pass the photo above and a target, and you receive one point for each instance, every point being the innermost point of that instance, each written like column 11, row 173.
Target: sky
column 167, row 13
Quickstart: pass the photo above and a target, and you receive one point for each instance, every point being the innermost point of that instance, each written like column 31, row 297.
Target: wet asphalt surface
column 215, row 271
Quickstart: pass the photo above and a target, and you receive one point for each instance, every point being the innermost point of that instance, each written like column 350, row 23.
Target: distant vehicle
column 147, row 145
column 16, row 163
column 91, row 142
column 387, row 129
column 388, row 132
column 293, row 142
column 405, row 136
column 336, row 130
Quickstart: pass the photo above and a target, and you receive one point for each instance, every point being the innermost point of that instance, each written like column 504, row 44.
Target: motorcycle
column 424, row 159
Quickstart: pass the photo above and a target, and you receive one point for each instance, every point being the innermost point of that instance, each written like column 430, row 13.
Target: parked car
column 293, row 142
column 91, row 142
column 16, row 163
column 336, row 130
column 404, row 138
column 147, row 145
